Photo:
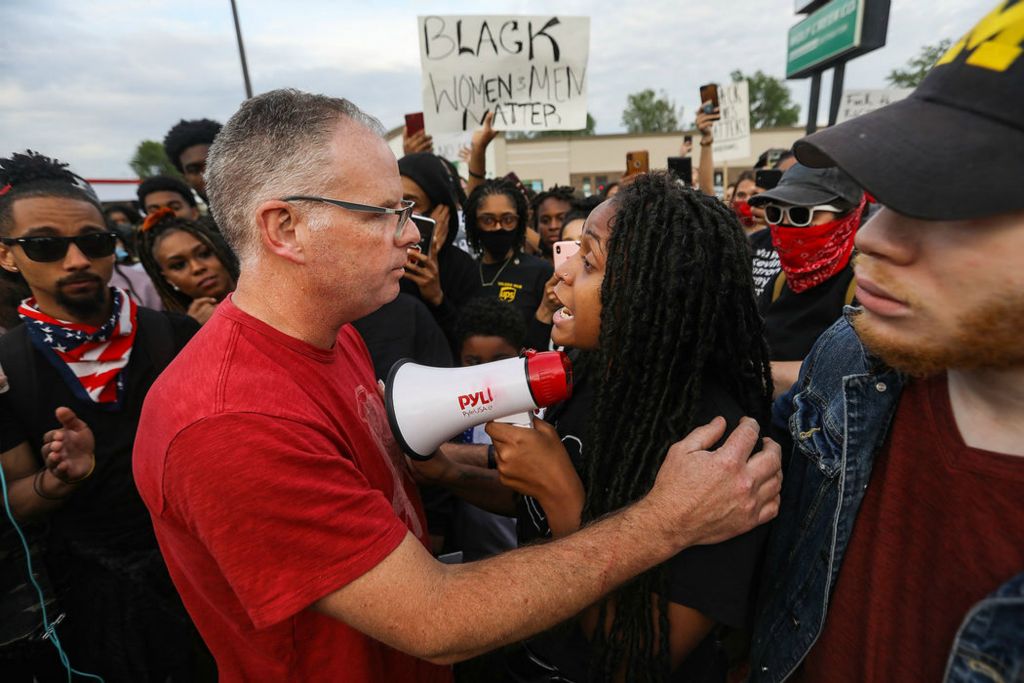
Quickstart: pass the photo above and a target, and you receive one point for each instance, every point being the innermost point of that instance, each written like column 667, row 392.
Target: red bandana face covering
column 744, row 213
column 811, row 255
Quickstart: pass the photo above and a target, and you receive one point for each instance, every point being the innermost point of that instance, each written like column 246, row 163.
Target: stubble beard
column 989, row 337
column 85, row 306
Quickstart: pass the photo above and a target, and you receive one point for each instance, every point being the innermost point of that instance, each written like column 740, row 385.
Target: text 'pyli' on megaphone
column 428, row 406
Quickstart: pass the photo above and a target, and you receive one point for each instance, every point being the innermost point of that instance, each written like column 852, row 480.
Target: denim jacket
column 839, row 413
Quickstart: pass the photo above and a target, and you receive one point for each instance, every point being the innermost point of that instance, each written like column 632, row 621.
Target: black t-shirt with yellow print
column 519, row 282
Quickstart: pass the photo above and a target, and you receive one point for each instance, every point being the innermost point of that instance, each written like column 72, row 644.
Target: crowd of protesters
column 792, row 451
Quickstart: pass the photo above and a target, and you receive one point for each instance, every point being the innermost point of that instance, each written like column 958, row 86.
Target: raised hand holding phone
column 414, row 136
column 422, row 267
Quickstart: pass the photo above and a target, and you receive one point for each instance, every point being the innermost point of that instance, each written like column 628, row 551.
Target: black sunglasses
column 46, row 248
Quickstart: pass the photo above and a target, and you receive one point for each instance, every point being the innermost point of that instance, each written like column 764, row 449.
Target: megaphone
column 427, row 406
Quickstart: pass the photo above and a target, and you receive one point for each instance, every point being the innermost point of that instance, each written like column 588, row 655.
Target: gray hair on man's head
column 277, row 144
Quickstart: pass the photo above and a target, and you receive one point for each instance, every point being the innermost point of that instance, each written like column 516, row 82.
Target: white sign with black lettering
column 857, row 102
column 530, row 70
column 732, row 131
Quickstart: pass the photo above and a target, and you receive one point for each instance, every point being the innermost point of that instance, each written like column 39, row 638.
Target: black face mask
column 498, row 242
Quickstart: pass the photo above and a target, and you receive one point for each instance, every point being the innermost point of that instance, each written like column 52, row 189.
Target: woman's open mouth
column 562, row 314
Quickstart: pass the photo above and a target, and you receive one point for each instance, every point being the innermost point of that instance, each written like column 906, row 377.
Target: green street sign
column 831, row 32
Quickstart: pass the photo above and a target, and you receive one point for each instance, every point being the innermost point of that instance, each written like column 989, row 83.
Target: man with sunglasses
column 813, row 216
column 283, row 504
column 85, row 354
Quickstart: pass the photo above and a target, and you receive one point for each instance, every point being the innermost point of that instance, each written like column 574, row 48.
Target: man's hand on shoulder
column 712, row 496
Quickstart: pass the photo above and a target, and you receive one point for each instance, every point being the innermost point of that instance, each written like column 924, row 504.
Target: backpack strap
column 851, row 291
column 780, row 283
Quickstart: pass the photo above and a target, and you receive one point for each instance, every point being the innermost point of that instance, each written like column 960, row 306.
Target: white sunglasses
column 797, row 216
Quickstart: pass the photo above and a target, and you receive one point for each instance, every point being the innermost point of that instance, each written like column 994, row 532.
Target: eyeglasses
column 47, row 249
column 489, row 220
column 403, row 213
column 797, row 216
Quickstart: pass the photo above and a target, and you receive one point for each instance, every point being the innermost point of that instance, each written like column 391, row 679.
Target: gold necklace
column 496, row 275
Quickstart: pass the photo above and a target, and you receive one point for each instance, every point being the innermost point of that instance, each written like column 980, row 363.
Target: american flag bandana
column 90, row 359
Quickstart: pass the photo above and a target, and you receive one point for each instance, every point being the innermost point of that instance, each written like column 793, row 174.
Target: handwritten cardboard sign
column 858, row 102
column 732, row 131
column 530, row 70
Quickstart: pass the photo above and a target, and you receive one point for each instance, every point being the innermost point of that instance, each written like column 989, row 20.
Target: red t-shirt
column 273, row 480
column 940, row 528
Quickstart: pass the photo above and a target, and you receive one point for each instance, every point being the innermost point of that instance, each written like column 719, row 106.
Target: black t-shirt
column 716, row 580
column 765, row 260
column 793, row 322
column 105, row 511
column 520, row 282
column 403, row 328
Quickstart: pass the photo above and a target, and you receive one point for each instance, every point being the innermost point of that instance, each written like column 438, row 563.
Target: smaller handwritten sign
column 531, row 71
column 732, row 131
column 857, row 102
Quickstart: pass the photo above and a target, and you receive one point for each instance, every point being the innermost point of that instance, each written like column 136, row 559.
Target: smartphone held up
column 709, row 98
column 426, row 227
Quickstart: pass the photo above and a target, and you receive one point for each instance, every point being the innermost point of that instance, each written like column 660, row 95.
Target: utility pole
column 241, row 51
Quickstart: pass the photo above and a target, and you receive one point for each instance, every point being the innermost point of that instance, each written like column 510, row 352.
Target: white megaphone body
column 428, row 406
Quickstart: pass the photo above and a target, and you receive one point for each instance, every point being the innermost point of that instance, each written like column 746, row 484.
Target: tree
column 770, row 103
column 150, row 159
column 541, row 134
column 918, row 67
column 645, row 112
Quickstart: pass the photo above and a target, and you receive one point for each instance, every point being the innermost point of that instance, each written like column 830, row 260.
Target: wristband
column 492, row 463
column 474, row 174
column 84, row 476
column 37, row 486
column 706, row 144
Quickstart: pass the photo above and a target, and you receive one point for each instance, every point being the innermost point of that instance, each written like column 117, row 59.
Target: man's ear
column 277, row 223
column 7, row 261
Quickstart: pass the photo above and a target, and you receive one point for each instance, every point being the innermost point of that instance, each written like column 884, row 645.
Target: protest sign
column 529, row 70
column 732, row 131
column 857, row 102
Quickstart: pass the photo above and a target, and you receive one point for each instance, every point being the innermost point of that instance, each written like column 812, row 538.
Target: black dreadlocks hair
column 158, row 225
column 563, row 193
column 485, row 189
column 163, row 183
column 677, row 306
column 490, row 318
column 187, row 134
column 33, row 175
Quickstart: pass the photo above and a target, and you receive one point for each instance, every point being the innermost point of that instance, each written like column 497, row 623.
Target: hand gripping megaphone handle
column 519, row 420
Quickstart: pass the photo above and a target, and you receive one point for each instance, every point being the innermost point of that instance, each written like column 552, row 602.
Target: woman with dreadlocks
column 660, row 299
column 190, row 265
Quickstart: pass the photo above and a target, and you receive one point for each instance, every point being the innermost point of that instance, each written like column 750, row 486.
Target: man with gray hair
column 282, row 504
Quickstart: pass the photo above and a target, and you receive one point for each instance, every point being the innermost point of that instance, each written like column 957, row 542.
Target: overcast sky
column 86, row 81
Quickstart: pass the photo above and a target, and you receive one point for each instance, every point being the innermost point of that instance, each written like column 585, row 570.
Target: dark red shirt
column 273, row 480
column 940, row 528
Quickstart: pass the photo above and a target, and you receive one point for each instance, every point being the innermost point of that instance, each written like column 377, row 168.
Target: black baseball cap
column 804, row 186
column 953, row 149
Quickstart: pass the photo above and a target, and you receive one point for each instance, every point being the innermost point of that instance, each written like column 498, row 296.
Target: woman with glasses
column 813, row 216
column 191, row 266
column 496, row 216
